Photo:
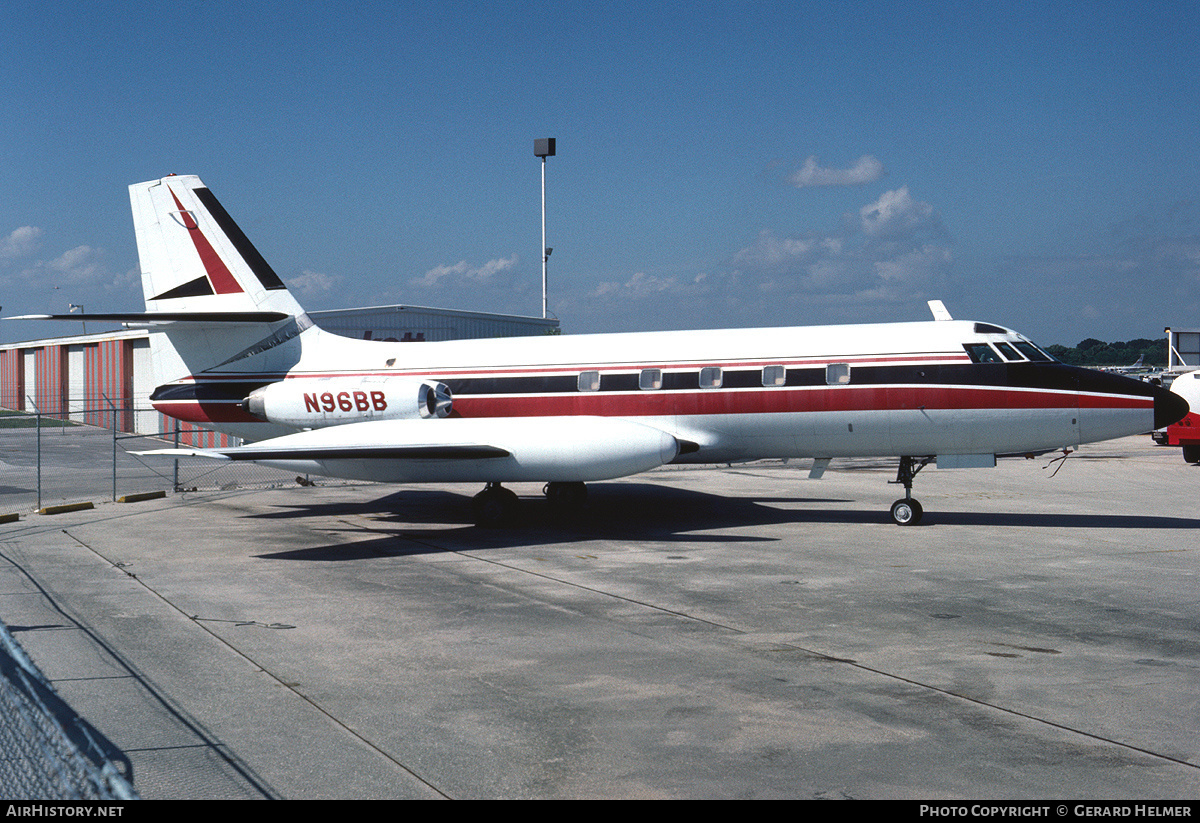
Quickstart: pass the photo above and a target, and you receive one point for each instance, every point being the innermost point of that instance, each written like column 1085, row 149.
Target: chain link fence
column 47, row 751
column 48, row 459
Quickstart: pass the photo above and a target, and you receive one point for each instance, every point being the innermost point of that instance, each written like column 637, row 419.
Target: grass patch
column 25, row 420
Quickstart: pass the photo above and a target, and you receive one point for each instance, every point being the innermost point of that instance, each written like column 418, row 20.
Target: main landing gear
column 907, row 511
column 565, row 498
column 495, row 506
column 498, row 506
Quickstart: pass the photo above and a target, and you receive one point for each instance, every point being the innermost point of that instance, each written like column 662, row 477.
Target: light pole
column 71, row 310
column 543, row 147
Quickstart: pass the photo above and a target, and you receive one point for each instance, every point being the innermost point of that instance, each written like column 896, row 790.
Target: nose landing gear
column 907, row 511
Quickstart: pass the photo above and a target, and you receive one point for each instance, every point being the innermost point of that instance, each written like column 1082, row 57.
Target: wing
column 537, row 449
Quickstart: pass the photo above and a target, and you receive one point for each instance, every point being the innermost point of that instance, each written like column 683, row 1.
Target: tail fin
column 215, row 303
column 194, row 257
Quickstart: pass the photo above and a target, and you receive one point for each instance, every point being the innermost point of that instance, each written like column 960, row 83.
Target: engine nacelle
column 313, row 403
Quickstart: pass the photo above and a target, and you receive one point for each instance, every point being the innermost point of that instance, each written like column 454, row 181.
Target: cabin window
column 1008, row 351
column 837, row 373
column 710, row 378
column 589, row 381
column 774, row 376
column 981, row 353
column 650, row 379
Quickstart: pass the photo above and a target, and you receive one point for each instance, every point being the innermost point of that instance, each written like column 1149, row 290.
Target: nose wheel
column 907, row 511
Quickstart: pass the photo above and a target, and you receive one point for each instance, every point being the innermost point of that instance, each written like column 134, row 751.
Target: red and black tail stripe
column 217, row 278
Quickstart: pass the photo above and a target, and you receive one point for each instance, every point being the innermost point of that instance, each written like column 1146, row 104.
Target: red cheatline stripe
column 724, row 402
column 766, row 402
column 222, row 281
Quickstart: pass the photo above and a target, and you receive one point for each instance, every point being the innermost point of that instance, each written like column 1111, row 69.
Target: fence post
column 114, row 450
column 38, row 423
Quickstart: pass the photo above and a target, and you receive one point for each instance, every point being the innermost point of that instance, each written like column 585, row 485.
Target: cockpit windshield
column 981, row 353
column 987, row 353
column 1033, row 352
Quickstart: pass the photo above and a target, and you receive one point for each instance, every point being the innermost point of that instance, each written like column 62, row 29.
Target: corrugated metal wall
column 108, row 382
column 51, row 365
column 12, row 379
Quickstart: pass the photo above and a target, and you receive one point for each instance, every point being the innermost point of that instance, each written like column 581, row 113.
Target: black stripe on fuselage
column 208, row 391
column 1048, row 376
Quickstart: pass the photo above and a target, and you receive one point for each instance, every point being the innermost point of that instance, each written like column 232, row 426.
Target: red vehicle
column 1186, row 432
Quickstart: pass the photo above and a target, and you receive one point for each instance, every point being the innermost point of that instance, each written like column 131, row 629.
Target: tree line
column 1093, row 352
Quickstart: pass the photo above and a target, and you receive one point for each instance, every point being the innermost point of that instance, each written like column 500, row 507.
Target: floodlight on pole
column 543, row 147
column 71, row 310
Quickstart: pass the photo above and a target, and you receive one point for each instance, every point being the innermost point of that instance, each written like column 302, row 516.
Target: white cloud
column 769, row 252
column 913, row 271
column 80, row 267
column 77, row 266
column 896, row 213
column 313, row 283
column 462, row 270
column 866, row 170
column 892, row 250
column 22, row 242
column 889, row 254
column 643, row 285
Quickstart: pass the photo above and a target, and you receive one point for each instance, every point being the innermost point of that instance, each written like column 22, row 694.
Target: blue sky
column 1031, row 164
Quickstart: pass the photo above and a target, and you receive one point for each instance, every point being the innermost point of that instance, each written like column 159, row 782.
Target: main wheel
column 495, row 506
column 907, row 512
column 565, row 498
column 1191, row 454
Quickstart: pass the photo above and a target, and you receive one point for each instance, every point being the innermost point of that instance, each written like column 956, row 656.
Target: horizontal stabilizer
column 157, row 318
column 215, row 455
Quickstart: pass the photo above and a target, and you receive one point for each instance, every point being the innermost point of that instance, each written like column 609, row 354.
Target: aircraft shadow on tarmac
column 625, row 511
column 421, row 521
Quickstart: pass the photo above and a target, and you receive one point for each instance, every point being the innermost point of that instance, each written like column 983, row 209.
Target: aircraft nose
column 1168, row 408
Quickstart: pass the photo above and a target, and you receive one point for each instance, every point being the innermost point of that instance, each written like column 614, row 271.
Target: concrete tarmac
column 732, row 632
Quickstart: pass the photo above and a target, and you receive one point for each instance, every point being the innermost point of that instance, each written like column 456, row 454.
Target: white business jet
column 233, row 351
